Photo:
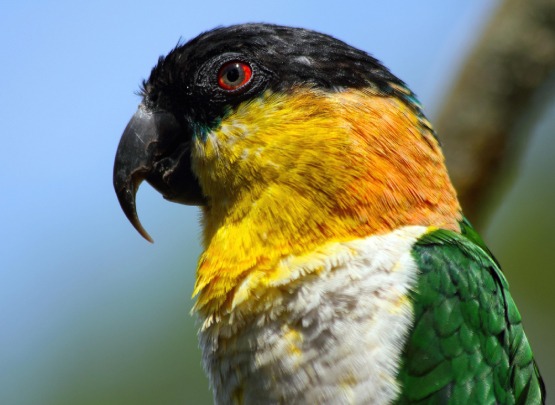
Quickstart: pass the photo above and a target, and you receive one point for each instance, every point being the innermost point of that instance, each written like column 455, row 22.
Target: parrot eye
column 234, row 75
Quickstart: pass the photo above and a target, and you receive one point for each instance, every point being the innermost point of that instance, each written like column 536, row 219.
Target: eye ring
column 234, row 75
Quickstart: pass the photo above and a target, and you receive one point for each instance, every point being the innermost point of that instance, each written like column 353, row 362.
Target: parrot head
column 264, row 124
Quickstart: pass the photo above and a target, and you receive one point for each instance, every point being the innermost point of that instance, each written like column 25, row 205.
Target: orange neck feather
column 291, row 172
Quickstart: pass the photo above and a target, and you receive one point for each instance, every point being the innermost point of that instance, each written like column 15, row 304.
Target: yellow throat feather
column 288, row 173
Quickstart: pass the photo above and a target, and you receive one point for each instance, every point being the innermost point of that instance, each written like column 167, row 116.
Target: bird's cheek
column 206, row 163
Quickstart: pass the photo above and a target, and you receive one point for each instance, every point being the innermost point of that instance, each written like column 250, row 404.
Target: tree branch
column 514, row 57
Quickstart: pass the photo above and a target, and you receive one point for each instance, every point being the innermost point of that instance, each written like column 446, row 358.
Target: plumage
column 467, row 341
column 345, row 309
column 337, row 266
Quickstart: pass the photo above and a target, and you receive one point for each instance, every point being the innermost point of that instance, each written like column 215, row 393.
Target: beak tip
column 126, row 197
column 144, row 234
column 139, row 227
column 134, row 219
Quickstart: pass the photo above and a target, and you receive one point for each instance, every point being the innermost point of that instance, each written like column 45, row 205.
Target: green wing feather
column 467, row 345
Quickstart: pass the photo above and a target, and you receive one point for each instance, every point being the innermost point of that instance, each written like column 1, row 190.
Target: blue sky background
column 89, row 311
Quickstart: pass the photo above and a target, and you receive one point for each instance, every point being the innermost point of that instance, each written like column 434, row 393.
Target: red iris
column 234, row 75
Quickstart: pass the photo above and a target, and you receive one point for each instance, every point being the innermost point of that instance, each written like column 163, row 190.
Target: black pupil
column 233, row 73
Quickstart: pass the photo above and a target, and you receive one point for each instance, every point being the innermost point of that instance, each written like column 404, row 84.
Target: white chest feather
column 331, row 336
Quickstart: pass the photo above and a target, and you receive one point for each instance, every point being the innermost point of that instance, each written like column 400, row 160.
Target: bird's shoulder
column 467, row 344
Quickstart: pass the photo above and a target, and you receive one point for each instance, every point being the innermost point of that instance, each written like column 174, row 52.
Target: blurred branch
column 513, row 58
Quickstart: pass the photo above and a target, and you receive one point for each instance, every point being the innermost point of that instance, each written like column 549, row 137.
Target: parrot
column 337, row 265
